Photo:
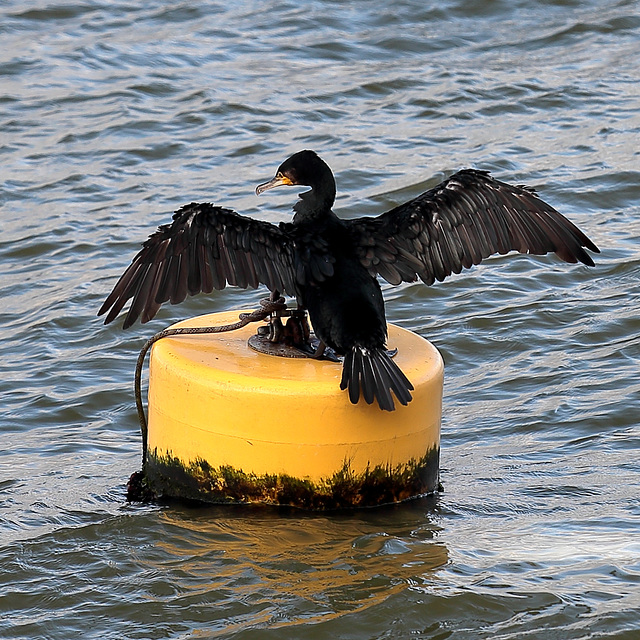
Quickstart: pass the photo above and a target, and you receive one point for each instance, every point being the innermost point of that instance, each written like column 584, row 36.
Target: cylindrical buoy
column 229, row 424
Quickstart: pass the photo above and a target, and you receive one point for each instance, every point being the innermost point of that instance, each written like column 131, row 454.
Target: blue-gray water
column 113, row 114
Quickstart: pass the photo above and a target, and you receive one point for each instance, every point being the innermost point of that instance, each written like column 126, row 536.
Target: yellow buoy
column 230, row 424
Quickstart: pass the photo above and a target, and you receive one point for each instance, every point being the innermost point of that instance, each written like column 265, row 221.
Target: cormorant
column 330, row 265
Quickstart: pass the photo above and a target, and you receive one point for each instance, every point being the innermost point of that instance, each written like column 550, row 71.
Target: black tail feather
column 350, row 372
column 368, row 379
column 400, row 383
column 376, row 375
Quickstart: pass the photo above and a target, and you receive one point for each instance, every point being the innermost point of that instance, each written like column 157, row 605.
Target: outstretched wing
column 460, row 222
column 204, row 248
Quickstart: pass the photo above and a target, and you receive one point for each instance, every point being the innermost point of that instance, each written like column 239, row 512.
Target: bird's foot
column 318, row 350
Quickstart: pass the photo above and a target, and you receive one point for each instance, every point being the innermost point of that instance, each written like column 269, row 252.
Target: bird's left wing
column 204, row 248
column 457, row 224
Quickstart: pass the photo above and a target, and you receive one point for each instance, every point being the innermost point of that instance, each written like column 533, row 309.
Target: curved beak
column 279, row 180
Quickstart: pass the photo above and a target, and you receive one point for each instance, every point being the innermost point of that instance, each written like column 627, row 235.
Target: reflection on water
column 114, row 115
column 323, row 566
column 231, row 568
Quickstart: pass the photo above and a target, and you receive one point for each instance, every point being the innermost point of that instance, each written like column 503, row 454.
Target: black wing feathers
column 453, row 226
column 204, row 248
column 460, row 222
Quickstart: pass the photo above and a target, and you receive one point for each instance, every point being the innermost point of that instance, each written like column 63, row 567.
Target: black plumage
column 330, row 265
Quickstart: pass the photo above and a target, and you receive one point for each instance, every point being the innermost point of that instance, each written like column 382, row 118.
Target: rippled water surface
column 113, row 114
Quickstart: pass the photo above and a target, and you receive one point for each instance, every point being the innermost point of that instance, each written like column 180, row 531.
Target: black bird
column 330, row 265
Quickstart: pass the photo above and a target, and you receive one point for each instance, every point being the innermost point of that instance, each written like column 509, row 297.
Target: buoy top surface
column 229, row 355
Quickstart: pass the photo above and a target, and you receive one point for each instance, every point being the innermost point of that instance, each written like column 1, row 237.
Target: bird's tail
column 373, row 372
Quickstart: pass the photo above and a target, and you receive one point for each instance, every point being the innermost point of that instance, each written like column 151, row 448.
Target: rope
column 274, row 304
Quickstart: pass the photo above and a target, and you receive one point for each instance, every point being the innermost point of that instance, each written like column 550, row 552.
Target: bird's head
column 308, row 169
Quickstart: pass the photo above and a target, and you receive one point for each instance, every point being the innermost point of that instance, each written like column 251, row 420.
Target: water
column 112, row 114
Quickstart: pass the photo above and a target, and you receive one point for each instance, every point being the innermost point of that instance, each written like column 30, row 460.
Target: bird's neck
column 315, row 202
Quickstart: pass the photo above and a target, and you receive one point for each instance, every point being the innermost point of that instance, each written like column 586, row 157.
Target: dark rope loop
column 274, row 304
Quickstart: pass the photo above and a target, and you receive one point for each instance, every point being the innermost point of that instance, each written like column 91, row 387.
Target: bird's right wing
column 204, row 248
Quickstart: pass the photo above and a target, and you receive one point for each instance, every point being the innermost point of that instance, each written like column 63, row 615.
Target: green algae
column 197, row 480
